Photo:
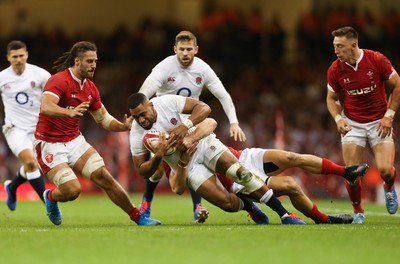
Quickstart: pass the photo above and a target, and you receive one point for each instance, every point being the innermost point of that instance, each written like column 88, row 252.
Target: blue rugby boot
column 145, row 207
column 391, row 200
column 292, row 219
column 258, row 216
column 53, row 212
column 146, row 221
column 11, row 197
column 358, row 218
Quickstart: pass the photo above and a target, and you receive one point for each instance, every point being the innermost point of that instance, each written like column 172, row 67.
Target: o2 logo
column 23, row 98
column 184, row 92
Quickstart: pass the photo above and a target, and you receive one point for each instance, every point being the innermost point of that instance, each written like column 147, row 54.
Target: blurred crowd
column 279, row 95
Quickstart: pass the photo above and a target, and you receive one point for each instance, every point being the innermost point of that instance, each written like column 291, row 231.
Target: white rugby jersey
column 169, row 77
column 22, row 94
column 169, row 108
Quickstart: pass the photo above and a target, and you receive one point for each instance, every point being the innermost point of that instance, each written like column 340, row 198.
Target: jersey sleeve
column 153, row 82
column 136, row 141
column 333, row 84
column 385, row 66
column 54, row 86
column 44, row 77
column 215, row 86
column 175, row 102
column 97, row 104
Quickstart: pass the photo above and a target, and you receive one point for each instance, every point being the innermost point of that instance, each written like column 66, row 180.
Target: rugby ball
column 151, row 139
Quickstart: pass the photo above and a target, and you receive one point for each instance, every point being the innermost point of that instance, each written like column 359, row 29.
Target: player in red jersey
column 61, row 150
column 361, row 76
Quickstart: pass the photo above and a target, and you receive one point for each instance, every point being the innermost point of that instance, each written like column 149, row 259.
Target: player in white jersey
column 361, row 76
column 163, row 114
column 186, row 75
column 21, row 87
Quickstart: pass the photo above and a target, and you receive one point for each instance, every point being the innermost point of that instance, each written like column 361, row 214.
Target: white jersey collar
column 358, row 61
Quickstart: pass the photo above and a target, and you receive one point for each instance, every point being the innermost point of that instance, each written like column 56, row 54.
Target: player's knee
column 67, row 182
column 290, row 185
column 386, row 172
column 230, row 204
column 243, row 176
column 72, row 190
column 63, row 176
column 103, row 178
column 30, row 165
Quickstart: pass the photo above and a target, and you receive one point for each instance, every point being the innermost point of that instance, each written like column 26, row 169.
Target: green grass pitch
column 96, row 231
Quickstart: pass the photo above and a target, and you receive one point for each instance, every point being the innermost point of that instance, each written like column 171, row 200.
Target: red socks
column 355, row 196
column 50, row 197
column 317, row 215
column 135, row 214
column 329, row 167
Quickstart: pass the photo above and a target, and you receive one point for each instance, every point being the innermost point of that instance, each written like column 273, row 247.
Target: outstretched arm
column 219, row 91
column 108, row 122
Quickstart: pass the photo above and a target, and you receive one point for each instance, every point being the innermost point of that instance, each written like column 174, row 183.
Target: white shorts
column 253, row 160
column 204, row 161
column 18, row 139
column 50, row 154
column 360, row 134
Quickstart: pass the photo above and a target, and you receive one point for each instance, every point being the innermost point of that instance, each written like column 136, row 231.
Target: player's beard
column 87, row 73
column 187, row 62
column 146, row 124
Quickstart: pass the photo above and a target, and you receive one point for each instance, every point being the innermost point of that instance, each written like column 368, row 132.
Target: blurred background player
column 21, row 87
column 361, row 76
column 186, row 75
column 61, row 150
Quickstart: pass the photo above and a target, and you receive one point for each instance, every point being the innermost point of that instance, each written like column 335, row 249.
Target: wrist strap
column 182, row 164
column 188, row 123
column 338, row 118
column 389, row 113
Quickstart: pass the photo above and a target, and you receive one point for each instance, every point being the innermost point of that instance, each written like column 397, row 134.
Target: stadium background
column 272, row 57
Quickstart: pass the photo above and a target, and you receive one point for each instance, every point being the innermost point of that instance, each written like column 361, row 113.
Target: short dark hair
column 136, row 99
column 186, row 36
column 15, row 45
column 348, row 32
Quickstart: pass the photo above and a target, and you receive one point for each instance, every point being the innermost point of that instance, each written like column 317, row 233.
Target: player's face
column 144, row 115
column 185, row 52
column 86, row 64
column 344, row 49
column 17, row 59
